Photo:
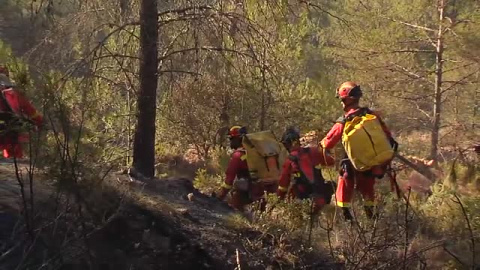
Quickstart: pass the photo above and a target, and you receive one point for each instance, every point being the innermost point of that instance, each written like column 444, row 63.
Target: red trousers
column 11, row 145
column 363, row 182
column 240, row 199
column 14, row 150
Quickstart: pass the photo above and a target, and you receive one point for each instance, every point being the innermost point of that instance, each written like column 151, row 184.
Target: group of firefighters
column 301, row 165
column 304, row 163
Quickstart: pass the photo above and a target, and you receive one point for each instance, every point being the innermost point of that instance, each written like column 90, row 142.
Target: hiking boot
column 346, row 214
column 370, row 212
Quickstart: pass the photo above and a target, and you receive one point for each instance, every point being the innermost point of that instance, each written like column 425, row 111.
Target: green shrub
column 207, row 183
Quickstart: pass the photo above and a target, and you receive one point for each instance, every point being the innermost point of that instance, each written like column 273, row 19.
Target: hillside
column 155, row 226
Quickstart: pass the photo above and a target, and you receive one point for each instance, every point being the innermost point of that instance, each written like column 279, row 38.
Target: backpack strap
column 277, row 164
column 341, row 120
column 367, row 110
column 244, row 173
column 360, row 112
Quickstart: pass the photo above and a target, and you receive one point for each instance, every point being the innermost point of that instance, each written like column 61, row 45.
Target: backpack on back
column 365, row 142
column 265, row 156
column 316, row 186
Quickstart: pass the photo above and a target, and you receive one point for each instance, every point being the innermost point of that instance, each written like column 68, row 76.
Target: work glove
column 346, row 168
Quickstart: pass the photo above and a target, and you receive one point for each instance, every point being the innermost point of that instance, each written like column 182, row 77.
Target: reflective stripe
column 296, row 174
column 282, row 188
column 343, row 204
column 369, row 203
column 226, row 186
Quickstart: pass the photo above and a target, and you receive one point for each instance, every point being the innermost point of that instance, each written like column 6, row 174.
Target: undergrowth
column 414, row 231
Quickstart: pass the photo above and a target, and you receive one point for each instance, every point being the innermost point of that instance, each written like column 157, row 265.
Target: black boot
column 346, row 214
column 370, row 212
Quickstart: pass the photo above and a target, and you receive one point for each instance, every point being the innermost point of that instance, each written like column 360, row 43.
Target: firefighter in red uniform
column 14, row 109
column 304, row 165
column 237, row 180
column 350, row 93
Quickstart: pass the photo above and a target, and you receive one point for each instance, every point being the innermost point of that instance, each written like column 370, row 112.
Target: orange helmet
column 237, row 131
column 4, row 70
column 349, row 90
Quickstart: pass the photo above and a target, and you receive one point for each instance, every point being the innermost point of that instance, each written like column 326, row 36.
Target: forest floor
column 157, row 227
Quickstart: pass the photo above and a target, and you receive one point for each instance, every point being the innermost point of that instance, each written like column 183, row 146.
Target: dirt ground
column 157, row 227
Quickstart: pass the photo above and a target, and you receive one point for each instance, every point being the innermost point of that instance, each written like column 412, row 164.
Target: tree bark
column 144, row 142
column 437, row 104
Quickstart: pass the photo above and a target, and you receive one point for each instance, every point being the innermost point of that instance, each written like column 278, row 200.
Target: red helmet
column 349, row 90
column 4, row 70
column 237, row 131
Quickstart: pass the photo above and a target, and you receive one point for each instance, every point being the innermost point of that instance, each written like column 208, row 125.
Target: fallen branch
column 455, row 256
column 425, row 172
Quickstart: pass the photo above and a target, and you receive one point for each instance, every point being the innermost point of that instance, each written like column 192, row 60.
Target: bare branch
column 455, row 256
column 423, row 111
column 309, row 4
column 411, row 73
column 460, row 81
column 373, row 53
column 205, row 48
column 409, row 24
column 115, row 55
column 180, row 71
column 184, row 10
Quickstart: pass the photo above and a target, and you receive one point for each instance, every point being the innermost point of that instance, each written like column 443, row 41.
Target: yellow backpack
column 265, row 156
column 365, row 142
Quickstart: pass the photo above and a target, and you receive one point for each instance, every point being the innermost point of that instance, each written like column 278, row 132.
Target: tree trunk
column 144, row 142
column 263, row 109
column 476, row 105
column 437, row 105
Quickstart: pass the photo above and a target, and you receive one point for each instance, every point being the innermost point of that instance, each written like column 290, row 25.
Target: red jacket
column 21, row 106
column 335, row 134
column 306, row 159
column 237, row 167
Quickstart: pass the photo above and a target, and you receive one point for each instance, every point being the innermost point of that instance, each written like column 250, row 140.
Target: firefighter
column 304, row 165
column 350, row 93
column 15, row 111
column 237, row 176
